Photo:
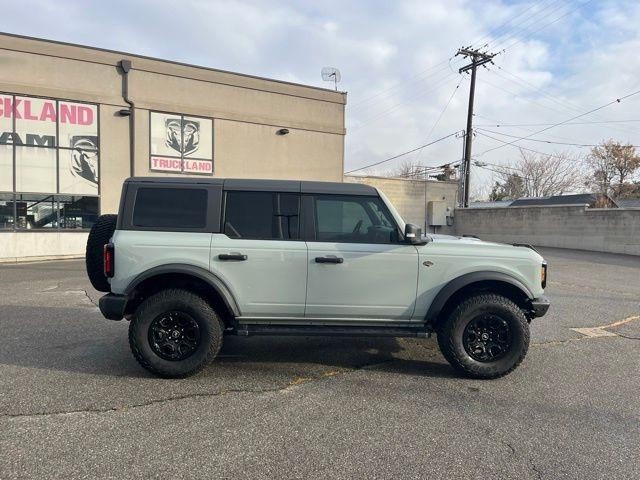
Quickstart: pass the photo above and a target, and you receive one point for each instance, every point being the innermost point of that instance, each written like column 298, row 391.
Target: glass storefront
column 49, row 163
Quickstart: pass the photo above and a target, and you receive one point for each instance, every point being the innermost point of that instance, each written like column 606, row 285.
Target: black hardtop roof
column 251, row 184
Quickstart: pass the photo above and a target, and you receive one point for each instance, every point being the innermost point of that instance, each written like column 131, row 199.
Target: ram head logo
column 183, row 135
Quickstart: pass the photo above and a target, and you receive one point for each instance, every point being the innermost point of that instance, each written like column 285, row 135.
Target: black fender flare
column 462, row 281
column 198, row 272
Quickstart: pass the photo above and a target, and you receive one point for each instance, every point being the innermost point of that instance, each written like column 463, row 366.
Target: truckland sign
column 181, row 144
column 48, row 142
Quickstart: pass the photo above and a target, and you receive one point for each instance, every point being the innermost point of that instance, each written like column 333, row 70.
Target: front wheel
column 175, row 333
column 486, row 336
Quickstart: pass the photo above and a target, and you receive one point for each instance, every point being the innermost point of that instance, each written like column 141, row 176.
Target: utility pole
column 477, row 59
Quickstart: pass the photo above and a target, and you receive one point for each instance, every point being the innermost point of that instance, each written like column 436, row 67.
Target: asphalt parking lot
column 74, row 404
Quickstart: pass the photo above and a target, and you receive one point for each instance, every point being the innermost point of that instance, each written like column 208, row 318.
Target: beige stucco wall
column 247, row 111
column 411, row 197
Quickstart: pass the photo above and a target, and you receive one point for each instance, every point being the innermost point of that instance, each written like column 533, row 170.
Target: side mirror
column 413, row 234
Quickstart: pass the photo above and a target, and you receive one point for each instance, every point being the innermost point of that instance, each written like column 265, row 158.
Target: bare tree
column 408, row 169
column 537, row 175
column 612, row 165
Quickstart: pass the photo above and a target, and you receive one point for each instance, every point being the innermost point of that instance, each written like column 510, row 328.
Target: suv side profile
column 189, row 261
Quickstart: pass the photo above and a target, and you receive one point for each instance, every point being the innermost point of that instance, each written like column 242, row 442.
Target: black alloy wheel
column 487, row 338
column 174, row 335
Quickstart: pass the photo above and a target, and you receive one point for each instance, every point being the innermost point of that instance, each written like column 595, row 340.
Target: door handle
column 238, row 257
column 329, row 260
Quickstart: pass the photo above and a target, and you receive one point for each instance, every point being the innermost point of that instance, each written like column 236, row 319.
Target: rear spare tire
column 99, row 236
column 486, row 336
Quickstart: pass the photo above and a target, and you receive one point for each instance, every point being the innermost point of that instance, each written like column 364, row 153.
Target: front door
column 259, row 254
column 357, row 266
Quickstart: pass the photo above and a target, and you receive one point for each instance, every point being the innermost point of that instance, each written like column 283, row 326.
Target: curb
column 45, row 258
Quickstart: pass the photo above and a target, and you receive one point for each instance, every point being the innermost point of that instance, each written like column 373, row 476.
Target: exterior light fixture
column 282, row 131
column 125, row 112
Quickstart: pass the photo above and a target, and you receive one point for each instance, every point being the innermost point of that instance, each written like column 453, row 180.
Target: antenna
column 331, row 74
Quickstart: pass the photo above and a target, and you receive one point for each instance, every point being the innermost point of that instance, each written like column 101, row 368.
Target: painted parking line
column 602, row 331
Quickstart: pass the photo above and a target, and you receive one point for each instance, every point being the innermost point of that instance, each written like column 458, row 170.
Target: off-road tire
column 211, row 333
column 450, row 336
column 99, row 236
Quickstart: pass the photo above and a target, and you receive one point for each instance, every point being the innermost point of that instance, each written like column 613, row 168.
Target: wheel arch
column 461, row 287
column 190, row 277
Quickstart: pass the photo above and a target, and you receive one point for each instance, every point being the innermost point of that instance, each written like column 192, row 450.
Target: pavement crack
column 535, row 469
column 230, row 391
column 628, row 337
column 86, row 294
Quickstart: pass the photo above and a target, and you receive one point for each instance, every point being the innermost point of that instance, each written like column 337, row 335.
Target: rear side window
column 262, row 215
column 170, row 208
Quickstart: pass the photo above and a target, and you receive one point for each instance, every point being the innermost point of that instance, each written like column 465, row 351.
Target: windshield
column 393, row 210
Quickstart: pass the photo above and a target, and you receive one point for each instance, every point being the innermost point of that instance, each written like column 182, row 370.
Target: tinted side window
column 170, row 208
column 262, row 215
column 353, row 219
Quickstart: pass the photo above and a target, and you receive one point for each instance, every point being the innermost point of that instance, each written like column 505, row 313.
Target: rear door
column 259, row 253
column 358, row 268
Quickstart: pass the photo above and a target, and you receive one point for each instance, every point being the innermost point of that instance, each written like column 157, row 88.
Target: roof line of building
column 401, row 178
column 173, row 62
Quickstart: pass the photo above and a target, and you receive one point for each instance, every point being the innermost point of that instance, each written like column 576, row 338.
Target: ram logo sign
column 52, row 144
column 181, row 144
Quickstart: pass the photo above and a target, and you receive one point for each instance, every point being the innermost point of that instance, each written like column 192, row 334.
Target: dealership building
column 76, row 121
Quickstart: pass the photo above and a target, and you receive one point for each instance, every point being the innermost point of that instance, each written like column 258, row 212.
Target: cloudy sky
column 557, row 59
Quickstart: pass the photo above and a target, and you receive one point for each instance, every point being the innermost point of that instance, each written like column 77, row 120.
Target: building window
column 34, row 212
column 76, row 212
column 180, row 144
column 49, row 163
column 6, row 211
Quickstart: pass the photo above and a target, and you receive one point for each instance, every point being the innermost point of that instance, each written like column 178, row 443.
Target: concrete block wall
column 614, row 230
column 34, row 246
column 409, row 198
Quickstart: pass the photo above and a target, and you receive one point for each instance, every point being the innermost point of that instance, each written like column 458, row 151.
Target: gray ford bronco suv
column 188, row 261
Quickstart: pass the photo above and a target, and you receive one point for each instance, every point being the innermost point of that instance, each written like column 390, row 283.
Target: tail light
column 109, row 260
column 543, row 275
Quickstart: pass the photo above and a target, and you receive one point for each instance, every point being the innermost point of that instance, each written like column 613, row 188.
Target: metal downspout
column 125, row 67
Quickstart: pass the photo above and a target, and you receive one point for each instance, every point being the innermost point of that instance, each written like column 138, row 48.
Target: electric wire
column 543, row 140
column 435, row 124
column 617, row 100
column 404, row 153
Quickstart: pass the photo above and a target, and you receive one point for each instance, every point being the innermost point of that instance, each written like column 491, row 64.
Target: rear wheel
column 175, row 333
column 486, row 336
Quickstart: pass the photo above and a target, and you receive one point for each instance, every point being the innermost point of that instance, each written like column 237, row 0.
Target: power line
column 565, row 104
column 433, row 127
column 527, row 23
column 516, row 95
column 500, row 124
column 520, row 147
column 617, row 100
column 404, row 153
column 442, row 81
column 411, row 79
column 546, row 25
column 546, row 141
column 557, row 137
column 504, row 24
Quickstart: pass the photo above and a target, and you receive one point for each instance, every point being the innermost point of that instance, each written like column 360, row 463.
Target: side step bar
column 331, row 331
